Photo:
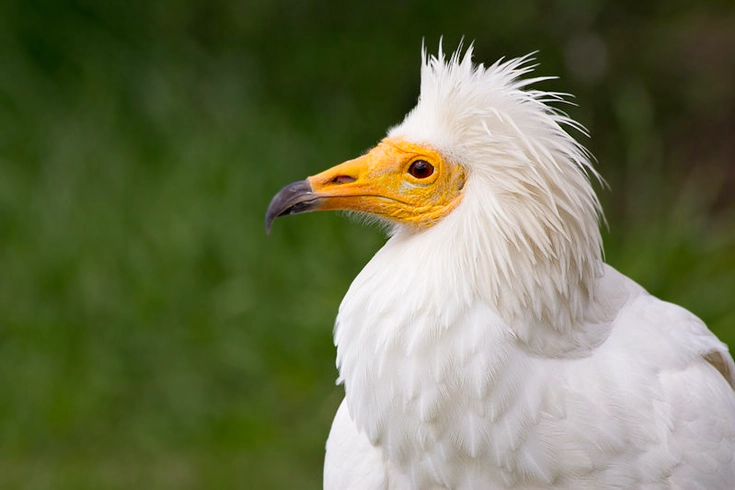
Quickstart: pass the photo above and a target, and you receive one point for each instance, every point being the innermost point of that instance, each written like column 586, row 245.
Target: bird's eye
column 421, row 169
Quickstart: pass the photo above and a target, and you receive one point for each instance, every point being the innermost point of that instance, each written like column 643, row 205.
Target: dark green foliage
column 152, row 336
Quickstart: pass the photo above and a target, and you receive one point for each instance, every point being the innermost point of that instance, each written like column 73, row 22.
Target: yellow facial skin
column 381, row 183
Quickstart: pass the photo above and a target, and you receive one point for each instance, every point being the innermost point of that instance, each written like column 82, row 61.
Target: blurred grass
column 153, row 337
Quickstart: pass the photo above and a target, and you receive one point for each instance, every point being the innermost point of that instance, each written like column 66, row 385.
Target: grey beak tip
column 295, row 198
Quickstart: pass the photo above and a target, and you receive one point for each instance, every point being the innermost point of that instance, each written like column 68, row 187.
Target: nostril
column 343, row 179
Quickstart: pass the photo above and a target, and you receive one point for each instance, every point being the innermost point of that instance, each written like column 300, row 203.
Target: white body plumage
column 454, row 398
column 494, row 349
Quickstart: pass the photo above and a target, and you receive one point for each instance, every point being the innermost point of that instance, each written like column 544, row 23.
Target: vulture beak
column 347, row 186
column 400, row 181
column 295, row 198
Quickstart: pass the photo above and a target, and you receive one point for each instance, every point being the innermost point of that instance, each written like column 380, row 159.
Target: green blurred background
column 152, row 336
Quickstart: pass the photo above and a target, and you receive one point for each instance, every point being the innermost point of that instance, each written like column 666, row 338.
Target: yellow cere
column 397, row 180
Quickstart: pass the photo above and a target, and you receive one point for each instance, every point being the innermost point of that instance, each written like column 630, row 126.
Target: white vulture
column 487, row 345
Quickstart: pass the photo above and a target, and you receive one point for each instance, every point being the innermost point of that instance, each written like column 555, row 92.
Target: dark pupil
column 421, row 169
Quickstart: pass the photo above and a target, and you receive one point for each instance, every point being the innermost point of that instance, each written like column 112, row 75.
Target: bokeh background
column 152, row 336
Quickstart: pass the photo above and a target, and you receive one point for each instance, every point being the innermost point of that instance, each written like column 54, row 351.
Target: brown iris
column 421, row 169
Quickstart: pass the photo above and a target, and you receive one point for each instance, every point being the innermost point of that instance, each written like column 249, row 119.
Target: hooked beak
column 330, row 189
column 379, row 183
column 295, row 198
